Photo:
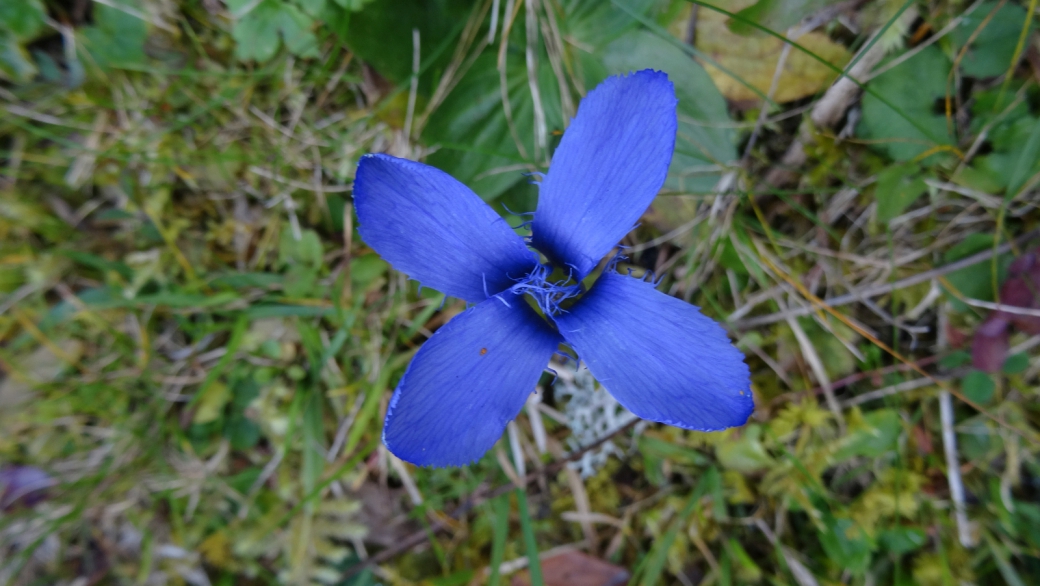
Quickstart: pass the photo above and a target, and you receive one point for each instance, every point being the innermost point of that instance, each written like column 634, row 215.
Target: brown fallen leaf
column 753, row 58
column 574, row 568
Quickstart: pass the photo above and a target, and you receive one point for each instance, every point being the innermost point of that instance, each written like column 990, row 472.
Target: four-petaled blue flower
column 658, row 356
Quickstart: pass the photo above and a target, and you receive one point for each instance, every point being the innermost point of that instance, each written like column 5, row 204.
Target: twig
column 953, row 467
column 816, row 364
column 299, row 184
column 910, row 385
column 884, row 288
column 1001, row 307
column 414, row 89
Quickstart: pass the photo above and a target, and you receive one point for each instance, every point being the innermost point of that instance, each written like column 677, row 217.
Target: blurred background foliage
column 197, row 349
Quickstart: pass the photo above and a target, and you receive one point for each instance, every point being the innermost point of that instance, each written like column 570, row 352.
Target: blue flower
column 658, row 356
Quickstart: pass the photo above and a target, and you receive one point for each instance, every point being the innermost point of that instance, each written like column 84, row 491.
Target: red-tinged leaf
column 574, row 568
column 990, row 346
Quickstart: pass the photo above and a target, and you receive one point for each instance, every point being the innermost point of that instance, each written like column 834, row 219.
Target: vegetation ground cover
column 197, row 349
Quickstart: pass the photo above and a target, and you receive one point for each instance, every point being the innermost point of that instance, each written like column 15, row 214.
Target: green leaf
column 778, row 15
column 15, row 63
column 211, row 402
column 1016, row 363
column 534, row 565
column 595, row 24
column 871, row 435
column 116, row 39
column 746, row 453
column 992, row 49
column 652, row 566
column 380, row 33
column 500, row 533
column 23, row 19
column 365, row 270
column 846, row 544
column 1026, row 164
column 242, row 432
column 477, row 146
column 260, row 31
column 649, row 445
column 978, row 386
column 703, row 141
column 955, row 359
column 313, row 8
column 1002, row 556
column 913, row 87
column 306, row 251
column 901, row 540
column 352, row 5
column 974, row 281
column 746, row 569
column 898, row 187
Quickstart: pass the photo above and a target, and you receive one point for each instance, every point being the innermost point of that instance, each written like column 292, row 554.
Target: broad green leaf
column 15, row 63
column 1027, row 163
column 978, row 386
column 116, row 39
column 746, row 453
column 477, row 146
column 365, row 270
column 313, row 8
column 24, row 19
column 306, row 251
column 871, row 435
column 900, row 540
column 703, row 143
column 898, row 186
column 1027, row 519
column 211, row 403
column 1015, row 146
column 595, row 24
column 846, row 544
column 352, row 5
column 913, row 87
column 1016, row 363
column 955, row 359
column 242, row 432
column 260, row 31
column 991, row 51
column 380, row 33
column 974, row 281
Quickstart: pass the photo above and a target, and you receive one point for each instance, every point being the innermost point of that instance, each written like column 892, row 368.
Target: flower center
column 547, row 289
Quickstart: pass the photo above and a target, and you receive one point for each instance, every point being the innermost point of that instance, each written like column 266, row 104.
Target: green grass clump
column 198, row 349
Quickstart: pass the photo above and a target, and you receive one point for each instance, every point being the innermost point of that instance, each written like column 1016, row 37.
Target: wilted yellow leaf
column 216, row 549
column 212, row 403
column 754, row 58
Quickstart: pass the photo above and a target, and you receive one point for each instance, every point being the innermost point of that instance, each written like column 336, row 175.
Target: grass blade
column 499, row 534
column 533, row 564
